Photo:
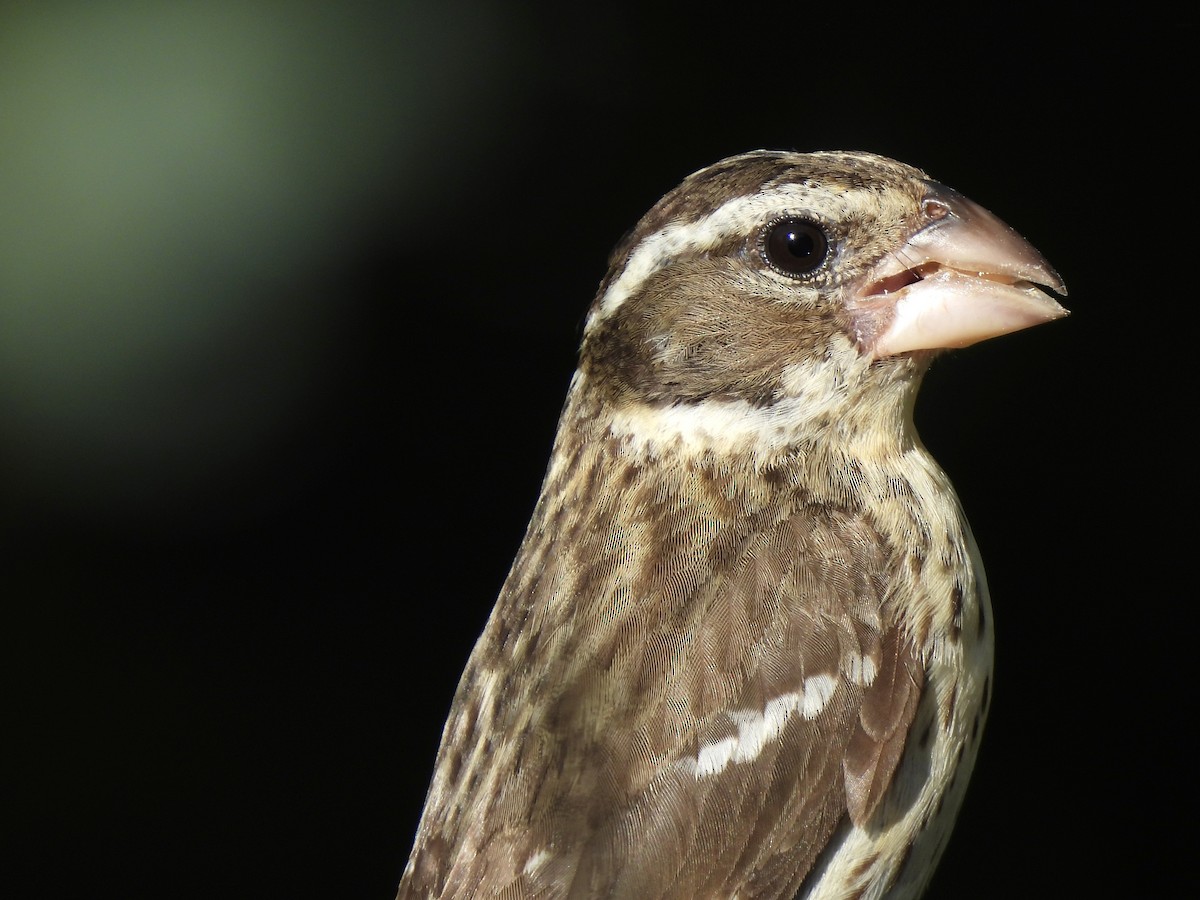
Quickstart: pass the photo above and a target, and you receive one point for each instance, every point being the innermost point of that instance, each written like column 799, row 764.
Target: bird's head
column 779, row 290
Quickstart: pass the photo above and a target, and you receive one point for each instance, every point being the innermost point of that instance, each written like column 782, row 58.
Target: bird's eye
column 795, row 246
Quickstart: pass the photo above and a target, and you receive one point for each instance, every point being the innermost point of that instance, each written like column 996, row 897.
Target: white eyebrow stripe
column 655, row 251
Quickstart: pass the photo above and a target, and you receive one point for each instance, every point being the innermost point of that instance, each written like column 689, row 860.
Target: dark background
column 289, row 300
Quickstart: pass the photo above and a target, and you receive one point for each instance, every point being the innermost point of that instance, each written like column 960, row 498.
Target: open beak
column 963, row 277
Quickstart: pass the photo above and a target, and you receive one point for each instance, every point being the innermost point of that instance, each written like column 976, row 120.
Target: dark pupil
column 800, row 244
column 795, row 247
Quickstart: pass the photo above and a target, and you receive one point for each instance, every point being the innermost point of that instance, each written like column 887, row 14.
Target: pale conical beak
column 963, row 277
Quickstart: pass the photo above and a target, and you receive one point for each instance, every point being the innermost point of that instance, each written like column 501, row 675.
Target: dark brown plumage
column 743, row 650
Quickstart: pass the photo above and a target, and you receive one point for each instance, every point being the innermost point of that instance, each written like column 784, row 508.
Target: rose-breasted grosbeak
column 745, row 647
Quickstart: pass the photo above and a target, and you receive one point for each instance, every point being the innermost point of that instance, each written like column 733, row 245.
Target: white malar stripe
column 726, row 424
column 739, row 215
column 757, row 729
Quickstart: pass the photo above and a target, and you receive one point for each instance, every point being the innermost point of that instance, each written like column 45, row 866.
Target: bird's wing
column 770, row 701
column 751, row 759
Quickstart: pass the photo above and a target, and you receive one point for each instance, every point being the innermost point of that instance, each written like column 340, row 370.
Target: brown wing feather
column 883, row 722
column 606, row 793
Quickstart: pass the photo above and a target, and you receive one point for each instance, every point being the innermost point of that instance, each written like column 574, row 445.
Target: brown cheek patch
column 686, row 337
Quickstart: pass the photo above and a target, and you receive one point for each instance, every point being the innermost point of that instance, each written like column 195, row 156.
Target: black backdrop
column 228, row 659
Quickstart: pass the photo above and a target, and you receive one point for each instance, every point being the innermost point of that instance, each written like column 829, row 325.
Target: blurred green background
column 179, row 180
column 289, row 300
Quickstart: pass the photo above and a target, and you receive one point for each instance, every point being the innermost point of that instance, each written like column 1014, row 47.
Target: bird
column 745, row 647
